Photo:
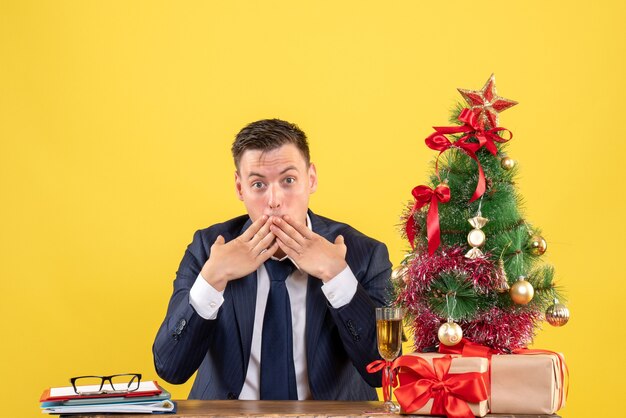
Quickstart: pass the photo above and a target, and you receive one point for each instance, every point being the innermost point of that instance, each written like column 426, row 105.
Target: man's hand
column 241, row 256
column 311, row 252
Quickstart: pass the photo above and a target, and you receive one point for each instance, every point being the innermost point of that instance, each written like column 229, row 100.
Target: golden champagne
column 389, row 333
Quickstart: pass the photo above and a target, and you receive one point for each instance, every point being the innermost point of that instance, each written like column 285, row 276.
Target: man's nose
column 275, row 196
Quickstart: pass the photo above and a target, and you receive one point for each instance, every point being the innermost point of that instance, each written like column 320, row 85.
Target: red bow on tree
column 450, row 392
column 423, row 196
column 472, row 128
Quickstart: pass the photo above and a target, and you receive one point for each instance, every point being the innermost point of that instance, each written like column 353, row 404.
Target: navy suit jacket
column 339, row 342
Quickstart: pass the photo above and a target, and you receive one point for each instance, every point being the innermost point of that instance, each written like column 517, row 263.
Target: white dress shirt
column 339, row 291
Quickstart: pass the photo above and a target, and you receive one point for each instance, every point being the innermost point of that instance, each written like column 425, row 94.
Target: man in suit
column 278, row 303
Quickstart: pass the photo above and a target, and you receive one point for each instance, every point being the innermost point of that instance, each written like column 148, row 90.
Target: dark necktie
column 278, row 377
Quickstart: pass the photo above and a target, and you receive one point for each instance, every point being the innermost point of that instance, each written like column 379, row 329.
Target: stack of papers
column 150, row 398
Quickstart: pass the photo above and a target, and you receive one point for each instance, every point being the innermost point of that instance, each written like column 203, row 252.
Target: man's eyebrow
column 291, row 167
column 255, row 174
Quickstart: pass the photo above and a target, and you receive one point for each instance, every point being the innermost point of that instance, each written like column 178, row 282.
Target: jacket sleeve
column 184, row 336
column 356, row 321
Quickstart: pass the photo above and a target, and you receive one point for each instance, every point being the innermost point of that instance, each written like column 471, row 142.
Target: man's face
column 275, row 183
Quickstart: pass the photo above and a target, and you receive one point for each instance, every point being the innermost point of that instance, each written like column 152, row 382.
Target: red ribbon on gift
column 471, row 127
column 450, row 392
column 424, row 195
column 388, row 375
column 467, row 348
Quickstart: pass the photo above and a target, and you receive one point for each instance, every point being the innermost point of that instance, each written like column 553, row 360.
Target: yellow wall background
column 116, row 119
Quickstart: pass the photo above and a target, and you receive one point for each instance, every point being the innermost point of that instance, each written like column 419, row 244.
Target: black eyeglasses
column 95, row 385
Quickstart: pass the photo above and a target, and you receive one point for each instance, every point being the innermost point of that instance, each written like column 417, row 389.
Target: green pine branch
column 454, row 296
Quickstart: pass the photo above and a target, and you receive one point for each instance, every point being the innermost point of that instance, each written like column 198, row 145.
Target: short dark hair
column 267, row 135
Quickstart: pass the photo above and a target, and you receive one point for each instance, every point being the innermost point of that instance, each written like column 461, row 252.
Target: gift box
column 438, row 384
column 531, row 382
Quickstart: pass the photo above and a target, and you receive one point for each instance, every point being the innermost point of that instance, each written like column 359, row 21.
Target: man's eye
column 290, row 180
column 257, row 185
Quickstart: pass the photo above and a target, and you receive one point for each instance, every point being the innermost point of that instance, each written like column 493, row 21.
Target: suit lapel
column 316, row 305
column 316, row 311
column 244, row 304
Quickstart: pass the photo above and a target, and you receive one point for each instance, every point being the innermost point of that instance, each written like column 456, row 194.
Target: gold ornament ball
column 557, row 315
column 476, row 238
column 522, row 291
column 537, row 245
column 507, row 163
column 399, row 274
column 450, row 333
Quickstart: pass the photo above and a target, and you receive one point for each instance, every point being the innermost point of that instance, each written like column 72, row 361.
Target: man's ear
column 312, row 178
column 238, row 186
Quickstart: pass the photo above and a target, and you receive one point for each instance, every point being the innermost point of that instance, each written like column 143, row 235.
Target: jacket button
column 353, row 331
column 231, row 395
column 350, row 325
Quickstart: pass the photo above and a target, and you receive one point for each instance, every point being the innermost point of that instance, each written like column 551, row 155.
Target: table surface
column 236, row 408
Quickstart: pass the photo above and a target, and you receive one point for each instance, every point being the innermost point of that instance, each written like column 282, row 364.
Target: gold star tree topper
column 486, row 104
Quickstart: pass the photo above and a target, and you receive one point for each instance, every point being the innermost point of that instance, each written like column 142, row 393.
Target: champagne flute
column 389, row 337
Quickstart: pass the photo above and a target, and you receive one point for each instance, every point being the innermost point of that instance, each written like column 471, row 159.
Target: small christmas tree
column 475, row 269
